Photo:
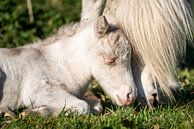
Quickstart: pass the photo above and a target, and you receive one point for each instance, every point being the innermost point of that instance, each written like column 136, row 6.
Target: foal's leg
column 71, row 103
column 6, row 111
column 51, row 100
column 94, row 102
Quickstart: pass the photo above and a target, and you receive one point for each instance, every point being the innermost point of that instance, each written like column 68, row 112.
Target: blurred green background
column 16, row 29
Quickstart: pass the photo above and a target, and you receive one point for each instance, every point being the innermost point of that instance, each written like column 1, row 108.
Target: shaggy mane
column 158, row 31
column 66, row 30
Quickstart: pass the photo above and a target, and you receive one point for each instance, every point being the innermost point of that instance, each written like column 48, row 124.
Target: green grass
column 16, row 30
column 163, row 117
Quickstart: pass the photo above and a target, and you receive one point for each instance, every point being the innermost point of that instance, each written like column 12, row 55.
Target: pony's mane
column 158, row 31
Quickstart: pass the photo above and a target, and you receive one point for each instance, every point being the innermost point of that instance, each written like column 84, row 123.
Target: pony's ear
column 101, row 26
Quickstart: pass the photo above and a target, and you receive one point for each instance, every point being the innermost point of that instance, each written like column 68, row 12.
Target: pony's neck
column 70, row 59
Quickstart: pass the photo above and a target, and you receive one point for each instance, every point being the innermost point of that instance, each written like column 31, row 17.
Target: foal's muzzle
column 128, row 100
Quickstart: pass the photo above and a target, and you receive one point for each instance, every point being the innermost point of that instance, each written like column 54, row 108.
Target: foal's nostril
column 128, row 95
column 129, row 99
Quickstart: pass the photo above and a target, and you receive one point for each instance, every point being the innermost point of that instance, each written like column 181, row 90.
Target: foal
column 54, row 74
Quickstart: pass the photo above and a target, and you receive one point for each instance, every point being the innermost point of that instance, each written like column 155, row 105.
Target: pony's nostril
column 154, row 95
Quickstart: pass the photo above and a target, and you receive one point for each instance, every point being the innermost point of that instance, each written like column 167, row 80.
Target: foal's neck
column 69, row 57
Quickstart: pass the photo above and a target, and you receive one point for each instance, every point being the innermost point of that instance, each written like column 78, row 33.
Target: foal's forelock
column 115, row 48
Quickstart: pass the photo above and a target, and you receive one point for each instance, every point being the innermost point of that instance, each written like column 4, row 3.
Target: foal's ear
column 101, row 26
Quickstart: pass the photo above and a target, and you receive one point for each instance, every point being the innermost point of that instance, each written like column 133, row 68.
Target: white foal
column 54, row 74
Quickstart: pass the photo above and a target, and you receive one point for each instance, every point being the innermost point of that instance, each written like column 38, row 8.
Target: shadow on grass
column 189, row 60
column 186, row 95
column 186, row 78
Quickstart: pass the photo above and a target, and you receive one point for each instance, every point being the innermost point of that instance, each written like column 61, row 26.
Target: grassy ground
column 16, row 30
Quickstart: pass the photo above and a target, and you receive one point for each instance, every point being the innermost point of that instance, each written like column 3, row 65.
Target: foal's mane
column 64, row 31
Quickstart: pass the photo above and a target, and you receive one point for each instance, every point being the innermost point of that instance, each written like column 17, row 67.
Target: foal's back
column 15, row 65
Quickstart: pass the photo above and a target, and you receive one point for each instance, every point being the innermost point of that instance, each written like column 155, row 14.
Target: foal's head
column 111, row 63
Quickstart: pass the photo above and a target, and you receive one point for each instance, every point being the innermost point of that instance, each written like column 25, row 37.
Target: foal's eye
column 110, row 61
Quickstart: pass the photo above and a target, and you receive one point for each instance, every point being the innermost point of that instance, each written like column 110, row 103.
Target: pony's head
column 111, row 63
